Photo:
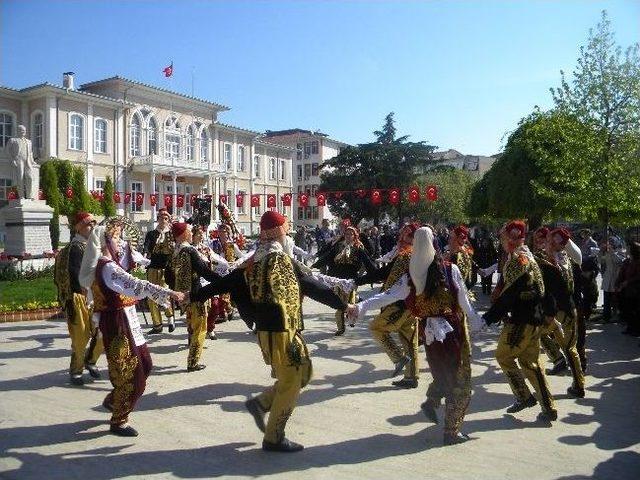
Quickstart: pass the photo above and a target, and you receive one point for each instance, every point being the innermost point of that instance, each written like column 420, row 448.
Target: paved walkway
column 353, row 423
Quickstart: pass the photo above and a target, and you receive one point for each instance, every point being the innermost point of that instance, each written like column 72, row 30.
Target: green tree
column 107, row 203
column 65, row 179
column 49, row 186
column 385, row 163
column 604, row 95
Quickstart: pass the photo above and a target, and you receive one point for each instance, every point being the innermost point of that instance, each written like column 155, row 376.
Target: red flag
column 139, row 199
column 376, row 197
column 69, row 192
column 127, row 198
column 271, row 201
column 168, row 200
column 180, row 200
column 394, row 196
column 286, row 200
column 432, row 193
column 255, row 200
column 239, row 200
column 303, row 199
column 168, row 71
column 192, row 200
column 153, row 199
column 116, row 197
column 41, row 195
column 414, row 194
column 223, row 199
column 321, row 198
column 12, row 195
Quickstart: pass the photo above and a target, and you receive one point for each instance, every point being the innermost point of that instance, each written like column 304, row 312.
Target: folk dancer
column 73, row 298
column 227, row 249
column 519, row 304
column 104, row 271
column 461, row 253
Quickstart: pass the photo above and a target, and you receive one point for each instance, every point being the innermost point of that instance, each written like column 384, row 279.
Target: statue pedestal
column 26, row 224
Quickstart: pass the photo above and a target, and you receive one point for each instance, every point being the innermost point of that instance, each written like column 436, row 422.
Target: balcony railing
column 177, row 162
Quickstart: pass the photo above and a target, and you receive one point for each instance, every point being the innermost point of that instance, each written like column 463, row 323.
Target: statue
column 26, row 174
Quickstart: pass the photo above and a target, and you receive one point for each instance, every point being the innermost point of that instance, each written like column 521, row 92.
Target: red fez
column 515, row 230
column 563, row 233
column 178, row 229
column 83, row 217
column 273, row 225
column 541, row 232
column 461, row 231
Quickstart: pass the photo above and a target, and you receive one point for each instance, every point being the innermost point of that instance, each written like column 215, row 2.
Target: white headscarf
column 422, row 257
column 92, row 253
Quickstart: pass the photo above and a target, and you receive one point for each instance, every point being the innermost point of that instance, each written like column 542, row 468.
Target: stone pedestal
column 26, row 224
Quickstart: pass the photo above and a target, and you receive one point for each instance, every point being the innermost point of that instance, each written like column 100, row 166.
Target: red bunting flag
column 414, row 194
column 116, row 197
column 127, row 198
column 168, row 71
column 376, row 197
column 239, row 200
column 286, row 200
column 271, row 201
column 168, row 200
column 321, row 198
column 303, row 199
column 69, row 192
column 394, row 196
column 192, row 200
column 139, row 199
column 180, row 200
column 153, row 199
column 255, row 200
column 223, row 199
column 432, row 193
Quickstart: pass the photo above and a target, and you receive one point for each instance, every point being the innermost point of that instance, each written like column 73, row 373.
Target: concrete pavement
column 353, row 423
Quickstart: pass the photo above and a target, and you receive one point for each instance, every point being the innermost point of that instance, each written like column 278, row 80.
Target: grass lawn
column 22, row 291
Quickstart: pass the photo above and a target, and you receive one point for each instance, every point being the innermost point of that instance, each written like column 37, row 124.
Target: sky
column 457, row 74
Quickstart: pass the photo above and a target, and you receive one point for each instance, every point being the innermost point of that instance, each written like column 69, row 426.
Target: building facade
column 312, row 149
column 149, row 141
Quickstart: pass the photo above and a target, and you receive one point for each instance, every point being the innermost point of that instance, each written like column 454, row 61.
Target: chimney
column 68, row 80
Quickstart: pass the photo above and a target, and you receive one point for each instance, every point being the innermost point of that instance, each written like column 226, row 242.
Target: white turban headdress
column 422, row 256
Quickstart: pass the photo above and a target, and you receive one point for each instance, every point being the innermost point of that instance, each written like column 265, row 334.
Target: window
column 204, row 146
column 187, row 199
column 136, row 187
column 258, row 210
column 243, row 193
column 272, row 169
column 231, row 200
column 314, row 213
column 314, row 169
column 307, row 170
column 98, row 185
column 307, row 149
column 190, row 144
column 307, row 213
column 299, row 172
column 256, row 166
column 6, row 128
column 300, row 189
column 283, row 170
column 314, row 146
column 76, row 132
column 241, row 166
column 100, row 136
column 307, row 190
column 134, row 136
column 152, row 137
column 299, row 151
column 5, row 188
column 314, row 190
column 300, row 213
column 172, row 145
column 227, row 156
column 37, row 131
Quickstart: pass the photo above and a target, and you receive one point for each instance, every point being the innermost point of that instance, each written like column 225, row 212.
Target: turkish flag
column 239, row 200
column 414, row 194
column 432, row 193
column 69, row 192
column 168, row 200
column 394, row 196
column 153, row 199
column 255, row 200
column 376, row 197
column 192, row 200
column 127, row 198
column 286, row 200
column 223, row 199
column 168, row 71
column 116, row 197
column 303, row 199
column 271, row 201
column 180, row 200
column 139, row 199
column 321, row 198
